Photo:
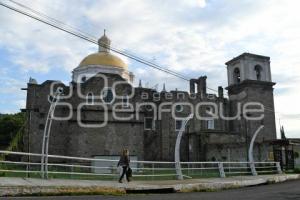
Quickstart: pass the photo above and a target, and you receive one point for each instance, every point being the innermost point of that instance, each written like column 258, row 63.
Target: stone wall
column 198, row 144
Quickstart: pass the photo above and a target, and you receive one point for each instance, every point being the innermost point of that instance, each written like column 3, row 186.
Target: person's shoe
column 120, row 181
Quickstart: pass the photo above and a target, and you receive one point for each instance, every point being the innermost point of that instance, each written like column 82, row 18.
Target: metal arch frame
column 177, row 148
column 47, row 130
column 250, row 152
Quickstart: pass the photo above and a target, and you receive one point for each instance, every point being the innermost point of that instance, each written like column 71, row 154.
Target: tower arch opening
column 258, row 72
column 237, row 75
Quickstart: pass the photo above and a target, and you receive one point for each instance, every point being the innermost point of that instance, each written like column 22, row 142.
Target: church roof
column 245, row 55
column 103, row 56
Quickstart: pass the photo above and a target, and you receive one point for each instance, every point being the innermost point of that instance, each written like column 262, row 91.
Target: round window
column 108, row 95
column 179, row 108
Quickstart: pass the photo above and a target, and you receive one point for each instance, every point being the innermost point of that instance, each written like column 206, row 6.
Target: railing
column 105, row 169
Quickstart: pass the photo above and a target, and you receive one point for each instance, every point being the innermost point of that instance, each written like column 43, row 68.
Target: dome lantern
column 104, row 43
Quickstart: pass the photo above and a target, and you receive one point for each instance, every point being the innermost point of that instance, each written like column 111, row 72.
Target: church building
column 101, row 112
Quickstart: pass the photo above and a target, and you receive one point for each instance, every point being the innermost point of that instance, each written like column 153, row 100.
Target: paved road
column 288, row 190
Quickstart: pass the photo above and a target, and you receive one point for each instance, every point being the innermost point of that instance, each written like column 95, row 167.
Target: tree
column 282, row 133
column 10, row 126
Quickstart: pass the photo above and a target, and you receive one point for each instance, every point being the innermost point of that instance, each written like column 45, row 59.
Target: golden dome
column 103, row 58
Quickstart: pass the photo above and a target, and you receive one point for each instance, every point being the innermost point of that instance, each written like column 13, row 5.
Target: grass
column 212, row 173
column 147, row 172
column 297, row 170
column 108, row 178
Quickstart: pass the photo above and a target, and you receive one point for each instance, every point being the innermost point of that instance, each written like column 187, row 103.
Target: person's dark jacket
column 124, row 161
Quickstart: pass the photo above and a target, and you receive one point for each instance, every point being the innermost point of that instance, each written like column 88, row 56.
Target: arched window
column 258, row 70
column 149, row 123
column 125, row 101
column 90, row 98
column 178, row 124
column 107, row 95
column 83, row 79
column 237, row 75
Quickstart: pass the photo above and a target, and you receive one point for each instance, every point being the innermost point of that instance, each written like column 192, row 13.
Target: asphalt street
column 288, row 190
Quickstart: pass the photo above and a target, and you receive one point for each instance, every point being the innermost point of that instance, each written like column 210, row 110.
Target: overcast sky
column 193, row 37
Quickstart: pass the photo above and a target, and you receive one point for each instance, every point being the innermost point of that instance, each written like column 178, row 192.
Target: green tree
column 10, row 126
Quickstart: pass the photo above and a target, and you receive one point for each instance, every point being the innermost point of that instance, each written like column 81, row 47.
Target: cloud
column 20, row 103
column 10, row 86
column 11, row 96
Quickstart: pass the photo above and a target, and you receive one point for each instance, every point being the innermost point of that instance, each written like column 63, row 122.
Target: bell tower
column 248, row 67
column 249, row 80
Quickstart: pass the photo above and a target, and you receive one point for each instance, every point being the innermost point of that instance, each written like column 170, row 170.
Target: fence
column 16, row 164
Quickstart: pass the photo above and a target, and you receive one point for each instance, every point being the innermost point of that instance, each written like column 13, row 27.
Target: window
column 125, row 101
column 90, row 98
column 211, row 124
column 178, row 124
column 107, row 95
column 258, row 70
column 179, row 108
column 237, row 75
column 83, row 79
column 149, row 123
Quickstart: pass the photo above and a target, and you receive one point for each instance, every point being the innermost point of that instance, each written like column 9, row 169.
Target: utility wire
column 88, row 37
column 84, row 37
column 50, row 18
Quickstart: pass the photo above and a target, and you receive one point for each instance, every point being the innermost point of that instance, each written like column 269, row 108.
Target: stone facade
column 154, row 139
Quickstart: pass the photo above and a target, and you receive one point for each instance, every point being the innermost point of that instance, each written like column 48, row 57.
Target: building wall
column 258, row 92
column 226, row 141
column 67, row 137
column 297, row 160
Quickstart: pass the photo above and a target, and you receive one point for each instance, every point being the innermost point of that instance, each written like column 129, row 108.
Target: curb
column 58, row 191
column 208, row 185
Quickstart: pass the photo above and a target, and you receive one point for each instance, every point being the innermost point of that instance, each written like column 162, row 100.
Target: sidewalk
column 29, row 186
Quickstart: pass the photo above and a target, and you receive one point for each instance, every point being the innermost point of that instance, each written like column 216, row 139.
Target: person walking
column 124, row 163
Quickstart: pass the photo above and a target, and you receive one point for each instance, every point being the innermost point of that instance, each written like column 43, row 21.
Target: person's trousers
column 124, row 170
